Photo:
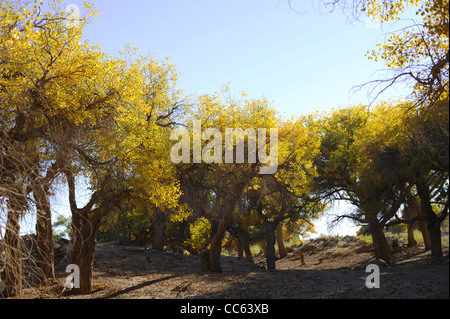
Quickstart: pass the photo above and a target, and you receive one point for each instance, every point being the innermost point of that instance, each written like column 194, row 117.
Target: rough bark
column 270, row 251
column 244, row 245
column 83, row 257
column 44, row 232
column 204, row 260
column 226, row 212
column 158, row 227
column 85, row 225
column 380, row 243
column 280, row 242
column 425, row 234
column 216, row 245
column 433, row 222
column 412, row 243
column 12, row 281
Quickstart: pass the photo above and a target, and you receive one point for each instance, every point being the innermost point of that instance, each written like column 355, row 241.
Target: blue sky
column 300, row 62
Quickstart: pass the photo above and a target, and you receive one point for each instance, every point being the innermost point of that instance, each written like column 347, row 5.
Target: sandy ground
column 334, row 269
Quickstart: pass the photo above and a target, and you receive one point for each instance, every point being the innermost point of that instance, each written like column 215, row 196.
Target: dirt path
column 335, row 269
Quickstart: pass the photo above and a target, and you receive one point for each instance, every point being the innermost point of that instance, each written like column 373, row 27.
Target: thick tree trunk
column 263, row 244
column 412, row 243
column 270, row 251
column 434, row 228
column 44, row 232
column 227, row 209
column 240, row 245
column 244, row 245
column 216, row 246
column 83, row 257
column 12, row 281
column 84, row 251
column 425, row 234
column 380, row 243
column 204, row 260
column 281, row 248
column 158, row 229
column 433, row 222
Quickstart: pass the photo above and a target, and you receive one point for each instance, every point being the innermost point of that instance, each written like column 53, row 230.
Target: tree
column 211, row 172
column 418, row 54
column 62, row 98
column 287, row 194
column 360, row 163
column 427, row 152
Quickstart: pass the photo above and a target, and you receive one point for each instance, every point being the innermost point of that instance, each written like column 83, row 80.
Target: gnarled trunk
column 226, row 209
column 244, row 245
column 433, row 222
column 44, row 232
column 412, row 243
column 425, row 234
column 281, row 248
column 380, row 243
column 270, row 251
column 12, row 281
column 216, row 246
column 85, row 243
column 158, row 227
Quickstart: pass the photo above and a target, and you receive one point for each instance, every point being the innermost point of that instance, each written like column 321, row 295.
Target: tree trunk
column 246, row 244
column 204, row 260
column 263, row 244
column 433, row 222
column 12, row 282
column 380, row 243
column 158, row 229
column 281, row 248
column 270, row 256
column 44, row 232
column 240, row 245
column 434, row 228
column 425, row 234
column 216, row 246
column 412, row 243
column 83, row 257
column 227, row 209
column 84, row 251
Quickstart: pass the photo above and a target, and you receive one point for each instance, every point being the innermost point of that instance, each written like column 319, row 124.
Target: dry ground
column 334, row 269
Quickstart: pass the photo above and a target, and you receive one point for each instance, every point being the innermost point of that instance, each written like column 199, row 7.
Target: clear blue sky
column 301, row 62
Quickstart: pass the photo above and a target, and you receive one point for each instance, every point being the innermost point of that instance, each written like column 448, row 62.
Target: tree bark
column 425, row 234
column 240, row 245
column 244, row 245
column 204, row 260
column 216, row 245
column 380, row 243
column 83, row 256
column 44, row 232
column 412, row 243
column 270, row 251
column 158, row 227
column 226, row 209
column 85, row 225
column 12, row 251
column 433, row 222
column 280, row 242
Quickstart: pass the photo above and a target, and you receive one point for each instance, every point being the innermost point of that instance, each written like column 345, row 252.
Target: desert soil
column 334, row 269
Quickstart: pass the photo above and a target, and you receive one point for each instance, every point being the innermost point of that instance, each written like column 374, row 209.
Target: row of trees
column 70, row 112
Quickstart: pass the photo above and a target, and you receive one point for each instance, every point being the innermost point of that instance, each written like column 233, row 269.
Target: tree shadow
column 139, row 286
